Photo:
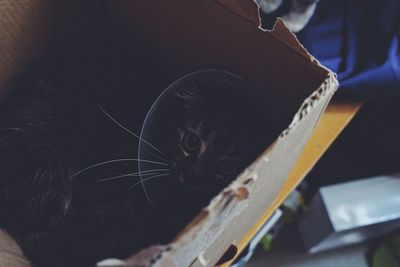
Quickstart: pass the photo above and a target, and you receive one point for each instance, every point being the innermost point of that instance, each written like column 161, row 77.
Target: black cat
column 67, row 202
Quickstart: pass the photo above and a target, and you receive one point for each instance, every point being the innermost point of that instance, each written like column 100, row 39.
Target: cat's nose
column 198, row 171
column 195, row 175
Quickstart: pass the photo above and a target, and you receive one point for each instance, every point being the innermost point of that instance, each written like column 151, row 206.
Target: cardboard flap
column 282, row 33
column 180, row 37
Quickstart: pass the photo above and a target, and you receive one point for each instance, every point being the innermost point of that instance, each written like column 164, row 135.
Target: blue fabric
column 359, row 40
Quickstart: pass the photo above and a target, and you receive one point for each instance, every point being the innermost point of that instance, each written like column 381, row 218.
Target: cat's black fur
column 50, row 128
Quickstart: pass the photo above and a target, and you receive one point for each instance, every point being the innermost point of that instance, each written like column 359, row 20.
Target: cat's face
column 207, row 145
column 205, row 156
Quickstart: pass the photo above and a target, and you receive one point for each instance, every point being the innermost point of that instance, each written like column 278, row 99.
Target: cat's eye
column 191, row 142
column 227, row 167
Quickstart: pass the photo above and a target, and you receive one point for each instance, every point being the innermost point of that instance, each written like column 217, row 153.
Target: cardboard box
column 176, row 37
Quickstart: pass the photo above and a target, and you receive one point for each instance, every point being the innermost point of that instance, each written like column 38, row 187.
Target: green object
column 387, row 255
column 266, row 242
column 384, row 258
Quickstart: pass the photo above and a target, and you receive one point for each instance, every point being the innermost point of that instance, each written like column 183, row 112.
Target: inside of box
column 148, row 45
column 153, row 43
column 33, row 31
column 177, row 38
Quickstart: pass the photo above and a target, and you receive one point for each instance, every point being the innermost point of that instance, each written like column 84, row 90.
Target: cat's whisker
column 156, row 156
column 115, row 160
column 136, row 174
column 162, row 160
column 127, row 130
column 126, row 175
column 153, row 170
column 11, row 129
column 148, row 178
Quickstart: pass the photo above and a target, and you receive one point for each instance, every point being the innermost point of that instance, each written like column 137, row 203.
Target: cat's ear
column 190, row 94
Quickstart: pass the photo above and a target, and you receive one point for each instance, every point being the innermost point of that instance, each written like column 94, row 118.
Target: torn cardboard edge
column 309, row 103
column 250, row 11
column 284, row 35
column 227, row 205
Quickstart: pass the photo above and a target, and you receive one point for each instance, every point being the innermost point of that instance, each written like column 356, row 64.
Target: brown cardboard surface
column 31, row 30
column 247, row 9
column 184, row 36
column 21, row 29
column 282, row 33
column 250, row 11
column 10, row 254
